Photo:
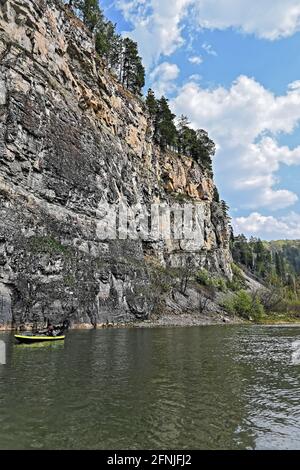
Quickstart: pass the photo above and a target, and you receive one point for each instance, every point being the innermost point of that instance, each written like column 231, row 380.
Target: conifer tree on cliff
column 92, row 15
column 184, row 135
column 121, row 55
column 151, row 103
column 109, row 45
column 165, row 128
column 132, row 70
column 89, row 11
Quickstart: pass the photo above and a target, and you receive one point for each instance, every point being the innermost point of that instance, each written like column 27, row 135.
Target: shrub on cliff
column 204, row 278
column 244, row 304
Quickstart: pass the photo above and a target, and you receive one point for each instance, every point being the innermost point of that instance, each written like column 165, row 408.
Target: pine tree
column 225, row 209
column 195, row 144
column 183, row 134
column 207, row 148
column 280, row 266
column 151, row 103
column 216, row 194
column 109, row 45
column 92, row 15
column 139, row 81
column 89, row 11
column 132, row 70
column 165, row 129
column 121, row 55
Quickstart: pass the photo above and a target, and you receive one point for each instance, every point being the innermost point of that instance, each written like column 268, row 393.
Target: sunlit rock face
column 72, row 141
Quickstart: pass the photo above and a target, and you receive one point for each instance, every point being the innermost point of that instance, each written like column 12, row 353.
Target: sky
column 232, row 67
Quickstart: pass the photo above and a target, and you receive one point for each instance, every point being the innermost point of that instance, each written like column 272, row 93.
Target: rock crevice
column 71, row 139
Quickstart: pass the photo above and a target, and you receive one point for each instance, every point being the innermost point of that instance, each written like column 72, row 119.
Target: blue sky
column 233, row 67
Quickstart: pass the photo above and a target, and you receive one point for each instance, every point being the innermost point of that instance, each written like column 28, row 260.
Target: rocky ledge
column 71, row 140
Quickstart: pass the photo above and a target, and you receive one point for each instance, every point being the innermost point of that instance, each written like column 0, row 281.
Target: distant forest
column 277, row 263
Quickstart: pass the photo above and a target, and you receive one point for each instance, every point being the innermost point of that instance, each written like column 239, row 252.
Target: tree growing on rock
column 165, row 129
column 132, row 72
column 152, row 104
column 121, row 55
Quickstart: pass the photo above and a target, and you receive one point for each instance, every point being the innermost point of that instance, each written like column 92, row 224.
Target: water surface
column 214, row 387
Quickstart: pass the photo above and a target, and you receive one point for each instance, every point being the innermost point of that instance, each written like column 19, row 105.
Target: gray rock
column 71, row 139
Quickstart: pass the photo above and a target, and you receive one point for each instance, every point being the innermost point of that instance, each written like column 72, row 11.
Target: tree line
column 170, row 132
column 276, row 265
column 121, row 54
column 122, row 58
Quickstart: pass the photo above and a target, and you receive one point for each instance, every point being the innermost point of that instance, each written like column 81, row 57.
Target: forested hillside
column 276, row 264
column 276, row 261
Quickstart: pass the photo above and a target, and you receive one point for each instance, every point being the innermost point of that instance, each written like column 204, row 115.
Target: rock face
column 71, row 140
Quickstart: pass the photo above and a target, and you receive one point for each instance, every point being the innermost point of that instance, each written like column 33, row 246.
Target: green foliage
column 195, row 144
column 238, row 281
column 182, row 138
column 47, row 245
column 122, row 58
column 204, row 278
column 152, row 104
column 275, row 263
column 165, row 129
column 92, row 15
column 245, row 305
column 225, row 209
column 290, row 250
column 216, row 195
column 220, row 284
column 109, row 45
column 204, row 149
column 132, row 72
column 70, row 280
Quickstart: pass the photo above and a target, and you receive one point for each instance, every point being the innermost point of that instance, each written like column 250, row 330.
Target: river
column 209, row 387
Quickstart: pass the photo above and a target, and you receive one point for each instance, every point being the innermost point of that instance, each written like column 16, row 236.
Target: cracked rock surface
column 70, row 138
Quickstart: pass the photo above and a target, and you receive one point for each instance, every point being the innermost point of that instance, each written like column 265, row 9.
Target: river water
column 210, row 387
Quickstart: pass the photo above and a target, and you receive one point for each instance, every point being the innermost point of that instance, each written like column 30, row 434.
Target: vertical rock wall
column 71, row 139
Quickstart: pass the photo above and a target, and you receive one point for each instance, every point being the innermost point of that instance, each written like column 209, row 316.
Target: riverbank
column 186, row 320
column 277, row 319
column 172, row 320
column 165, row 320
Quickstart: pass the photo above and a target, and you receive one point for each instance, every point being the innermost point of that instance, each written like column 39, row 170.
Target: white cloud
column 245, row 121
column 209, row 49
column 268, row 227
column 162, row 78
column 197, row 60
column 158, row 26
column 268, row 19
column 294, row 86
column 195, row 77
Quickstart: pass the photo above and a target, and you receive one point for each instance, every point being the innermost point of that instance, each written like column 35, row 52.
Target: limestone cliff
column 70, row 138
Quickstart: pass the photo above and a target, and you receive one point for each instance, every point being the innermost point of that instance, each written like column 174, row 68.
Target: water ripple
column 204, row 388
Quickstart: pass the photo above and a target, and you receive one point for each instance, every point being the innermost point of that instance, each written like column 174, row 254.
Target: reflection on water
column 42, row 344
column 296, row 352
column 233, row 387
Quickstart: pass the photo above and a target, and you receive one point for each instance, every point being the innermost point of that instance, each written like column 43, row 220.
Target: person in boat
column 50, row 330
